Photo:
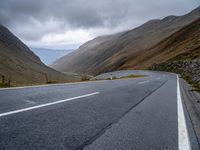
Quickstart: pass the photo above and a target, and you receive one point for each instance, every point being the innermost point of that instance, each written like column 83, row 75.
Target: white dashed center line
column 47, row 104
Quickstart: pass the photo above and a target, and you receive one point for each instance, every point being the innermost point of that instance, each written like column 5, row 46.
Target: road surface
column 130, row 114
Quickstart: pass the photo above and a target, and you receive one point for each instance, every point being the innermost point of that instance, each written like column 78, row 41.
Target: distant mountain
column 48, row 56
column 20, row 66
column 123, row 50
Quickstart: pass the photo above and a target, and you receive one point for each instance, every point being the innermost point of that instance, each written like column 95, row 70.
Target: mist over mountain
column 48, row 56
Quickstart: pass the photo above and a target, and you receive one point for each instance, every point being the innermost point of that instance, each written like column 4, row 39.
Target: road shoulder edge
column 189, row 101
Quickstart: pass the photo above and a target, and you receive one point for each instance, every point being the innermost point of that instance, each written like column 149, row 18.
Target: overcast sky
column 66, row 24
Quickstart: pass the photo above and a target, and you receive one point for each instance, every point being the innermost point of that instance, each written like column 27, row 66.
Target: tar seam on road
column 96, row 136
column 183, row 138
column 47, row 104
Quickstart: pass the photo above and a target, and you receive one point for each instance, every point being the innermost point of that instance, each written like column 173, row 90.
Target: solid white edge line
column 183, row 137
column 44, row 105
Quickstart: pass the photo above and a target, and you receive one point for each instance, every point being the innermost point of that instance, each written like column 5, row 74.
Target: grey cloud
column 29, row 18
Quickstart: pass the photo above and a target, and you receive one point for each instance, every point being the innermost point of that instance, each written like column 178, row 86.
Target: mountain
column 48, row 56
column 119, row 51
column 182, row 45
column 180, row 53
column 20, row 66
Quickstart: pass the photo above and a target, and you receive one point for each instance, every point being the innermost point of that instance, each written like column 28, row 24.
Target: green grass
column 127, row 77
column 4, row 85
column 195, row 86
column 133, row 76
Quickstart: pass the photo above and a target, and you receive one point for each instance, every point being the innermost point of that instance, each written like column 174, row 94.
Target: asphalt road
column 131, row 114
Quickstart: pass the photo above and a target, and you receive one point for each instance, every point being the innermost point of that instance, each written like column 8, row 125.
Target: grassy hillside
column 20, row 66
column 183, row 44
column 181, row 54
column 127, row 50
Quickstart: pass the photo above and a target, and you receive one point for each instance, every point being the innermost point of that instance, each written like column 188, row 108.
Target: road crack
column 103, row 130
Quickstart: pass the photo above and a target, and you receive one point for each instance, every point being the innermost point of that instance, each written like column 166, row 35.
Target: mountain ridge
column 48, row 56
column 112, row 51
column 20, row 66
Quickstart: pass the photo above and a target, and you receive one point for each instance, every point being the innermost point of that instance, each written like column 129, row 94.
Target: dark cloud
column 33, row 19
column 76, row 13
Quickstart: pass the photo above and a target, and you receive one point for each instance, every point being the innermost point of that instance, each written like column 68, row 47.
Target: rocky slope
column 20, row 66
column 183, row 49
column 188, row 69
column 127, row 50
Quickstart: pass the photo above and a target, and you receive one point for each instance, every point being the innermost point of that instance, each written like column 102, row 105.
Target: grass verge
column 4, row 85
column 133, row 76
column 196, row 87
column 127, row 77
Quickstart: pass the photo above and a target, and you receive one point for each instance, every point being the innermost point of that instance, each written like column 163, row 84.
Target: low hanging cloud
column 69, row 23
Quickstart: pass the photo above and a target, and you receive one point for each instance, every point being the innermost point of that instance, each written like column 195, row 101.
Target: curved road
column 131, row 114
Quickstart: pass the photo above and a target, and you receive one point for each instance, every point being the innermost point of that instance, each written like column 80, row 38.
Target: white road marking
column 47, row 104
column 183, row 137
column 143, row 82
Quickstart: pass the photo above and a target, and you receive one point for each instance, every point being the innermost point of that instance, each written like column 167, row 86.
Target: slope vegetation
column 127, row 50
column 20, row 66
column 182, row 45
column 179, row 53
